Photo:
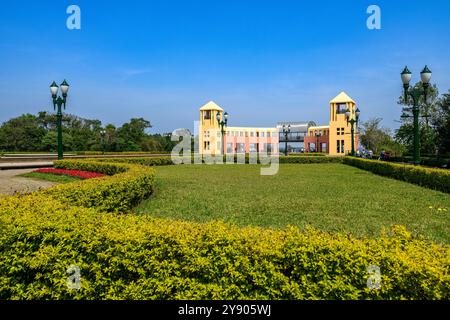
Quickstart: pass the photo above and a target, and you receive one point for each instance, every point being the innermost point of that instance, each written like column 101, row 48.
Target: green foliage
column 126, row 188
column 38, row 133
column 308, row 154
column 442, row 124
column 138, row 257
column 19, row 132
column 145, row 161
column 375, row 138
column 310, row 159
column 437, row 179
column 434, row 123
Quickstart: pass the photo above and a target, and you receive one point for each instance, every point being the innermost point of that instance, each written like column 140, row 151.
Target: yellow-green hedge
column 127, row 186
column 166, row 160
column 437, row 179
column 139, row 257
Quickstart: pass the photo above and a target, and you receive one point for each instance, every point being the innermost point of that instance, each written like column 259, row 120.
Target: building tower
column 209, row 130
column 340, row 131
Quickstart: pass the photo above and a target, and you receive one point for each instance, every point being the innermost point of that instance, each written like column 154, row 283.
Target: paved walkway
column 10, row 183
column 25, row 165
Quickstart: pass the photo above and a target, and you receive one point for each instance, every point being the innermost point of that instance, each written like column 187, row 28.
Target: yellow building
column 236, row 139
column 334, row 139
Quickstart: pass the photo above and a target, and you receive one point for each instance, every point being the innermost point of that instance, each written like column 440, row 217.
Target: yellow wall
column 339, row 129
column 209, row 132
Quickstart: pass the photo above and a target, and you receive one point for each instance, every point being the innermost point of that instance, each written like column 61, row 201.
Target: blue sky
column 263, row 61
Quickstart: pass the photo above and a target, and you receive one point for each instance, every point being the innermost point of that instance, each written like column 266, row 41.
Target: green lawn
column 331, row 197
column 51, row 177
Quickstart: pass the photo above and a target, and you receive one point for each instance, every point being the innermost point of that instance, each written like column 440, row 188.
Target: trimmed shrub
column 126, row 188
column 144, row 161
column 437, row 179
column 162, row 161
column 310, row 159
column 425, row 161
column 139, row 257
column 308, row 154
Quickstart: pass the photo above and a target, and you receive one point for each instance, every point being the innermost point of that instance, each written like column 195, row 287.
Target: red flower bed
column 72, row 173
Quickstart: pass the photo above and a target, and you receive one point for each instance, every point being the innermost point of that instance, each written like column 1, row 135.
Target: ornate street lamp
column 286, row 131
column 416, row 93
column 353, row 121
column 59, row 102
column 222, row 123
column 103, row 138
column 317, row 140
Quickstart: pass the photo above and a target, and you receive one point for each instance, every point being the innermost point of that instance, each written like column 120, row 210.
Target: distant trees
column 38, row 133
column 376, row 138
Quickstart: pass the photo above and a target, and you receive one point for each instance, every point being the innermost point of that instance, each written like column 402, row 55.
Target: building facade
column 235, row 139
column 333, row 139
column 295, row 138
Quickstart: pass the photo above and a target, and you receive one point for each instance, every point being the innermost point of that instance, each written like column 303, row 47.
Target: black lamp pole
column 416, row 93
column 59, row 102
column 222, row 123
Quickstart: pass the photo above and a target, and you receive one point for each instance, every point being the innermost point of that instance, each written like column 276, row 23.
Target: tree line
column 434, row 128
column 34, row 133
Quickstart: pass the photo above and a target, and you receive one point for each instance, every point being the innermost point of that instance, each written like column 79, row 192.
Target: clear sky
column 262, row 61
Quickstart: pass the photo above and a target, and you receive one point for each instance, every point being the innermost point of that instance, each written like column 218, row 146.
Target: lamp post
column 416, row 93
column 353, row 121
column 103, row 138
column 222, row 123
column 286, row 131
column 317, row 141
column 59, row 102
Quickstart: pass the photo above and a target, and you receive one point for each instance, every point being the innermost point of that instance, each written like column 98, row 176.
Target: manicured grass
column 51, row 177
column 332, row 197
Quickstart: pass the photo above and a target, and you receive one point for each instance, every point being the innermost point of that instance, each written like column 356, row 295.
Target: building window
column 262, row 134
column 229, row 148
column 252, row 134
column 241, row 134
column 340, row 108
column 253, row 147
column 240, row 148
column 218, row 134
column 338, row 146
column 207, row 114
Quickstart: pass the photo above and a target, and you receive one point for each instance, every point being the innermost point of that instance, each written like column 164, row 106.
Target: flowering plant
column 72, row 173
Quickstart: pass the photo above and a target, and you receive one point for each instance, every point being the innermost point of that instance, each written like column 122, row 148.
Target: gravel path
column 10, row 183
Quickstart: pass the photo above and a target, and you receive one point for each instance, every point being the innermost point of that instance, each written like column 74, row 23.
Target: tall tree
column 376, row 138
column 442, row 123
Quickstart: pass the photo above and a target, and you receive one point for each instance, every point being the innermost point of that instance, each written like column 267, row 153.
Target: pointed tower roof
column 342, row 98
column 211, row 106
